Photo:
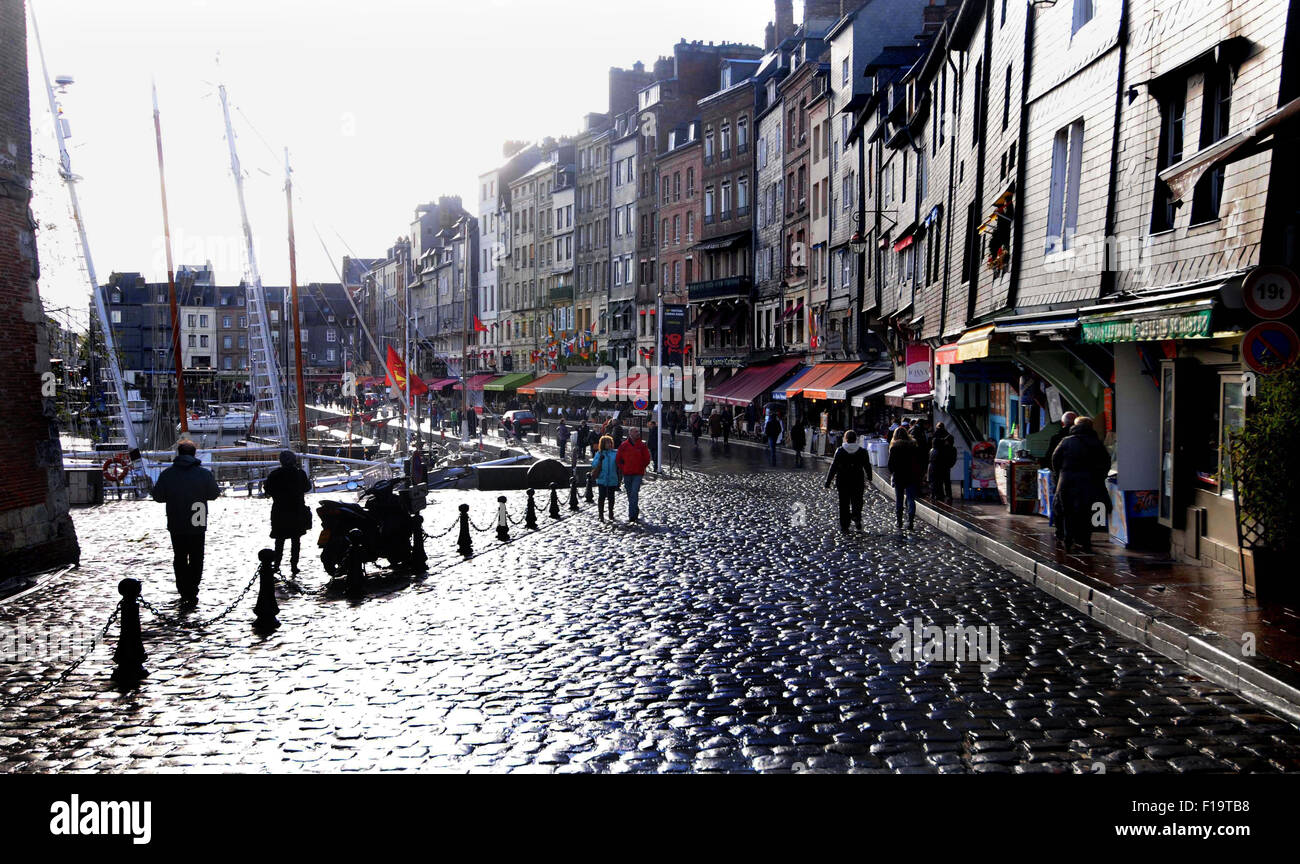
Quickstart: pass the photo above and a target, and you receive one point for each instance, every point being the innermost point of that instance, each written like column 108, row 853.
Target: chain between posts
column 38, row 689
column 181, row 622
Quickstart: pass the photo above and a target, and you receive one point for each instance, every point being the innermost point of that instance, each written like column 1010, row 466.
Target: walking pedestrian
column 727, row 420
column 633, row 458
column 605, row 466
column 772, row 432
column 652, row 440
column 799, row 440
column 697, row 426
column 850, row 471
column 290, row 516
column 580, row 441
column 186, row 487
column 619, row 434
column 715, row 426
column 562, row 437
column 1080, row 462
column 904, row 470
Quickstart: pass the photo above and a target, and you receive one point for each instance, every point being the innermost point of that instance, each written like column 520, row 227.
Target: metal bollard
column 464, row 543
column 591, row 488
column 129, row 655
column 503, row 520
column 555, row 502
column 573, row 493
column 356, row 572
column 419, row 560
column 266, row 607
column 530, row 514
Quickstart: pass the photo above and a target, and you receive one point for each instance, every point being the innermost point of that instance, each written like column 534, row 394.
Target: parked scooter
column 380, row 526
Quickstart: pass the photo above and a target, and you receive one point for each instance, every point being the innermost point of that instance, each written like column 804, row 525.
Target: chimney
column 784, row 24
column 825, row 11
column 769, row 37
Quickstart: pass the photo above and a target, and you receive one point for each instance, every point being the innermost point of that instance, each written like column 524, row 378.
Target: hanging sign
column 918, row 369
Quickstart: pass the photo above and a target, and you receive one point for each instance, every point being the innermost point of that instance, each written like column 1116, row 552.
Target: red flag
column 397, row 372
column 479, row 326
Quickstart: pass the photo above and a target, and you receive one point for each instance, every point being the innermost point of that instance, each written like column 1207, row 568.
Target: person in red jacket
column 633, row 459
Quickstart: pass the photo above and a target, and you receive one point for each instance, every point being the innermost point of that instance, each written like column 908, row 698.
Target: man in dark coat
column 581, row 439
column 943, row 455
column 290, row 518
column 851, row 471
column 186, row 488
column 1067, row 421
column 799, row 440
column 1080, row 463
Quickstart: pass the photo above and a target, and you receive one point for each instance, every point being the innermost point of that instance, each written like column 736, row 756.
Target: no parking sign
column 1270, row 347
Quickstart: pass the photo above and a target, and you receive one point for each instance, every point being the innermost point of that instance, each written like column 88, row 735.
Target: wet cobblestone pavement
column 735, row 630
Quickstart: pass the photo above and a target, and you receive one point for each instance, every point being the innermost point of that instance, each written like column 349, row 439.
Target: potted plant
column 1265, row 469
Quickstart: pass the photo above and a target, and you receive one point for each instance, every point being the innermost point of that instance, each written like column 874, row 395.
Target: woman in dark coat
column 942, row 457
column 290, row 518
column 851, row 471
column 1080, row 462
column 905, row 461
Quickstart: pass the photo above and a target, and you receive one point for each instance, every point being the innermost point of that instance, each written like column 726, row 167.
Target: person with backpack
column 904, row 469
column 851, row 472
column 604, row 466
column 562, row 437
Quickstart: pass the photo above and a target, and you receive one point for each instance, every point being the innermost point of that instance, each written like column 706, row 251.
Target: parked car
column 521, row 421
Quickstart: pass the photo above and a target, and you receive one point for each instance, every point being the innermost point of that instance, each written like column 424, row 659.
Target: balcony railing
column 561, row 292
column 713, row 289
column 708, row 218
column 726, row 152
column 708, row 160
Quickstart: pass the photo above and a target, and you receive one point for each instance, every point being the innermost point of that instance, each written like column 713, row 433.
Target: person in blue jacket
column 604, row 466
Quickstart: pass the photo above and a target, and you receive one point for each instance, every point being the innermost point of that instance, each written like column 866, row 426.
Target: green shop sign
column 1149, row 329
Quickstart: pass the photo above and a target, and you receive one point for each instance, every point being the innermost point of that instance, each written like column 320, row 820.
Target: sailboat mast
column 171, row 275
column 297, row 316
column 101, row 311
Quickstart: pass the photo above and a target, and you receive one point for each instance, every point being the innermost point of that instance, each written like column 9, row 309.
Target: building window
column 1172, row 113
column 1216, row 106
column 116, row 316
column 1063, row 204
column 844, row 72
column 1083, row 13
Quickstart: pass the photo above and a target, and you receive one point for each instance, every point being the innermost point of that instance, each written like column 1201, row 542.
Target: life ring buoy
column 116, row 469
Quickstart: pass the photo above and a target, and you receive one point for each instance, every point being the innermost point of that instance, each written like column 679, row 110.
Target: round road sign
column 1270, row 347
column 640, row 404
column 1271, row 292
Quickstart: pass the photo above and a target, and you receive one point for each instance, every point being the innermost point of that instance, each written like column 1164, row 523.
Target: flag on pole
column 812, row 330
column 397, row 375
column 479, row 326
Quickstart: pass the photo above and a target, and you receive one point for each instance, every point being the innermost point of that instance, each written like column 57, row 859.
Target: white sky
column 383, row 104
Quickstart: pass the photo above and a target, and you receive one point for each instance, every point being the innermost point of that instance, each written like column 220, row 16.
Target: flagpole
column 658, row 376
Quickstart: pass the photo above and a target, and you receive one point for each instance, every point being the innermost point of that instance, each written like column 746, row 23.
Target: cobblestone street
column 735, row 630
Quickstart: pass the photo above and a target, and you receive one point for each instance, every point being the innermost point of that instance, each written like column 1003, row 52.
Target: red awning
column 834, row 374
column 945, row 355
column 530, row 389
column 750, row 384
column 477, row 382
column 441, row 383
column 638, row 386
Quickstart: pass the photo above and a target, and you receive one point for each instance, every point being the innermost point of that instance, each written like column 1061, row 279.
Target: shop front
column 1179, row 396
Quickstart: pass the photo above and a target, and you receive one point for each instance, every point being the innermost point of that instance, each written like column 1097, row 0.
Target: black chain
column 38, row 689
column 181, row 622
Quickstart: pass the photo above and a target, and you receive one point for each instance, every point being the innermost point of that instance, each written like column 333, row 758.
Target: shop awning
column 822, row 372
column 779, row 391
column 973, row 344
column 587, row 386
column 558, row 383
column 530, row 389
column 946, row 355
column 1040, row 323
column 896, row 395
column 886, row 388
column 477, row 382
column 441, row 383
column 750, row 384
column 507, row 383
column 857, row 384
column 726, row 242
column 831, row 375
